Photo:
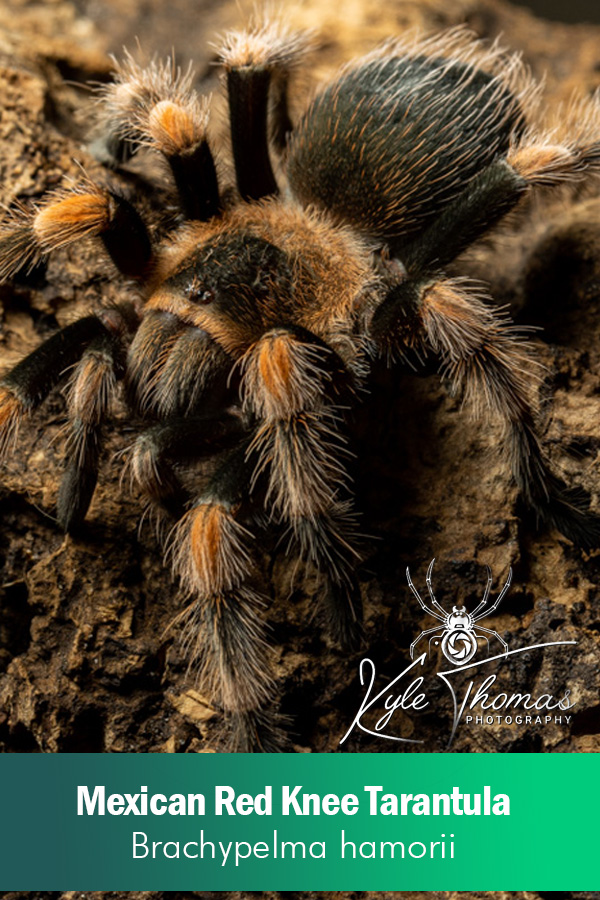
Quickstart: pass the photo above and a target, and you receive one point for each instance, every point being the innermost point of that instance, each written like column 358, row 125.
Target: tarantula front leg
column 290, row 380
column 157, row 107
column 91, row 393
column 69, row 216
column 27, row 385
column 258, row 63
column 224, row 633
column 94, row 345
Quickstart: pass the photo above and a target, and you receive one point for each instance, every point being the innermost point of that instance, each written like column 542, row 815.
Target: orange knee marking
column 173, row 128
column 72, row 217
column 206, row 536
column 90, row 388
column 275, row 366
column 531, row 161
column 210, row 552
column 11, row 411
column 11, row 408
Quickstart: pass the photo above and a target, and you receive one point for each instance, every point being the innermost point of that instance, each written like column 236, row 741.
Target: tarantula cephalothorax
column 252, row 326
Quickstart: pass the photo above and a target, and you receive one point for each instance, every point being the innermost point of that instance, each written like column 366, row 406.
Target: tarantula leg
column 248, row 91
column 482, row 203
column 329, row 542
column 258, row 64
column 570, row 150
column 26, row 386
column 180, row 440
column 69, row 216
column 157, row 107
column 148, row 352
column 489, row 196
column 180, row 134
column 92, row 391
column 223, row 628
column 263, row 730
column 286, row 384
column 486, row 359
column 176, row 370
column 295, row 48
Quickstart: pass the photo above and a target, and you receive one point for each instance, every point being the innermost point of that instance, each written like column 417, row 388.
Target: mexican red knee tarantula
column 256, row 319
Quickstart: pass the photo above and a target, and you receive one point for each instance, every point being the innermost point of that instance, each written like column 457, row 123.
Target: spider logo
column 458, row 632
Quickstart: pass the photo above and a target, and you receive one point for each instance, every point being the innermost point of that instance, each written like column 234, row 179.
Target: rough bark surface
column 86, row 663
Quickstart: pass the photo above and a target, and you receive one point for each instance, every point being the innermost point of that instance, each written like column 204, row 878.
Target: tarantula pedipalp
column 255, row 321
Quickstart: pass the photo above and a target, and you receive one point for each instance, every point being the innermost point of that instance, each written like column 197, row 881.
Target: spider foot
column 262, row 731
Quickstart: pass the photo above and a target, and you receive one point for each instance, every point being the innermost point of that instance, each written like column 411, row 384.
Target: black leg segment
column 35, row 376
column 248, row 89
column 126, row 238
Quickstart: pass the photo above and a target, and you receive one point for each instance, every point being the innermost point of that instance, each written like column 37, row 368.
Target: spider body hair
column 385, row 146
column 256, row 320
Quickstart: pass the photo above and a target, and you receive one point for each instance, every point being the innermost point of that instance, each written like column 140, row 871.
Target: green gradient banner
column 345, row 841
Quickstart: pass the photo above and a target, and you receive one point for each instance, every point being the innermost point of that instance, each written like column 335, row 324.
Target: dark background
column 564, row 10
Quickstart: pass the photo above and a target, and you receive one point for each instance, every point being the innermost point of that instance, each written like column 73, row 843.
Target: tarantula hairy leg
column 181, row 440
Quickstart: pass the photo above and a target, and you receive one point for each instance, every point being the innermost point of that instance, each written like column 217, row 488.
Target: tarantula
column 253, row 324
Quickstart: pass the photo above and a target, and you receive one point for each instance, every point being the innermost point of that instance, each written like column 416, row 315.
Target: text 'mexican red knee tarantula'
column 252, row 326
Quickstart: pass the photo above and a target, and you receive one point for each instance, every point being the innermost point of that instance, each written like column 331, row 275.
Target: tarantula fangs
column 251, row 327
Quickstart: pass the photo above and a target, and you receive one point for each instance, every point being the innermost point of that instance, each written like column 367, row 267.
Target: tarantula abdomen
column 385, row 146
